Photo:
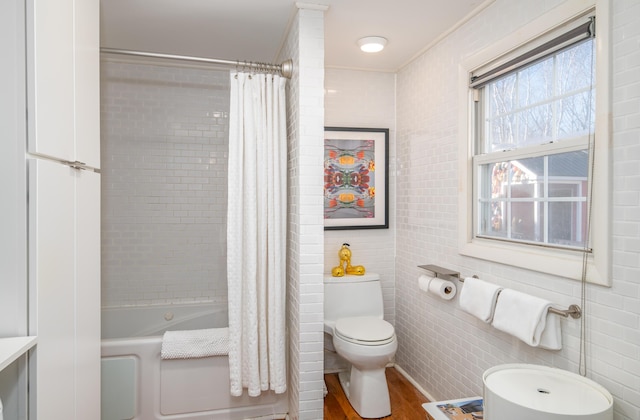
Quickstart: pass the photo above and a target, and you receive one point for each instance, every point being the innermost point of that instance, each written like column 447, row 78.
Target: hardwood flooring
column 406, row 400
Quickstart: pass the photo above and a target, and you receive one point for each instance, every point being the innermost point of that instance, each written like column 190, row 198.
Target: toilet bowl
column 362, row 338
column 368, row 349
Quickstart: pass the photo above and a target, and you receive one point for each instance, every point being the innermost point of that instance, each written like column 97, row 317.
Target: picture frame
column 356, row 178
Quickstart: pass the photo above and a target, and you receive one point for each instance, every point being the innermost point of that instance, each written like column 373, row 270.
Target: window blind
column 584, row 30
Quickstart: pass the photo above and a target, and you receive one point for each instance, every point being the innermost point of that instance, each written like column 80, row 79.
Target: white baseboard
column 414, row 383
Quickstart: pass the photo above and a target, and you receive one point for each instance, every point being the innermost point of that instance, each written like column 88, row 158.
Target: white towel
column 191, row 344
column 479, row 297
column 527, row 318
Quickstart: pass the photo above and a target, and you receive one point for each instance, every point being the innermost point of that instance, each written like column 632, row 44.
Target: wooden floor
column 406, row 400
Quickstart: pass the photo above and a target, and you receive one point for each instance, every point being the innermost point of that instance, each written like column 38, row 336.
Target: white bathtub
column 138, row 384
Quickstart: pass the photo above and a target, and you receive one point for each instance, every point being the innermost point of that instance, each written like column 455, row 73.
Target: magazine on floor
column 462, row 409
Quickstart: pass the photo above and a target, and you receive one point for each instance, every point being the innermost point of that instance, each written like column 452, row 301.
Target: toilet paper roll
column 423, row 282
column 444, row 289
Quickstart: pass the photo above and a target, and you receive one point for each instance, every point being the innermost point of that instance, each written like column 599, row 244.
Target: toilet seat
column 365, row 330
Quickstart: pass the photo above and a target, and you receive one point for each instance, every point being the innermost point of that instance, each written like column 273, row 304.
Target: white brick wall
column 164, row 184
column 311, row 234
column 442, row 347
column 617, row 327
column 305, row 45
column 292, row 50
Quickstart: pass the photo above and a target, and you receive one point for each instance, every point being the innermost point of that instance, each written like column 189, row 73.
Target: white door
column 52, row 272
column 64, row 80
column 87, row 265
column 87, row 82
column 64, row 206
column 50, row 49
column 64, row 238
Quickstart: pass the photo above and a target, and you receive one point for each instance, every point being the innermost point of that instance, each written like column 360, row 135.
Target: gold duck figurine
column 345, row 266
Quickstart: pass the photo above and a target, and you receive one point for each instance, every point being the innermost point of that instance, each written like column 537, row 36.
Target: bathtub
column 138, row 385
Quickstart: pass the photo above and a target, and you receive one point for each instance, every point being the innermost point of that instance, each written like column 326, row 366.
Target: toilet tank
column 352, row 296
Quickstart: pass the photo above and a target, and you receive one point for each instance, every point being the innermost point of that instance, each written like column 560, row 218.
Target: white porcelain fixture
column 533, row 392
column 372, row 44
column 353, row 312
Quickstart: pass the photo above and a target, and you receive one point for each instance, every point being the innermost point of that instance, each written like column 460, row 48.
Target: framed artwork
column 356, row 179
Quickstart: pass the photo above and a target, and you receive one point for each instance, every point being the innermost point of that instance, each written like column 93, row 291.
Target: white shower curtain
column 256, row 233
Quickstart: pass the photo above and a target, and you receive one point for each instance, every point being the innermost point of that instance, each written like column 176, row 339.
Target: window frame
column 542, row 150
column 556, row 261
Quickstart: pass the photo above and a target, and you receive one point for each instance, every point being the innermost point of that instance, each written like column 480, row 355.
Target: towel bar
column 573, row 311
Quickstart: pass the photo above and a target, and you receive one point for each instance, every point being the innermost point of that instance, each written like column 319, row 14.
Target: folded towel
column 195, row 343
column 479, row 297
column 527, row 318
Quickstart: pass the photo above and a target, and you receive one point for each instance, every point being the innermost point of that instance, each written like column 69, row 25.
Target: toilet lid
column 364, row 329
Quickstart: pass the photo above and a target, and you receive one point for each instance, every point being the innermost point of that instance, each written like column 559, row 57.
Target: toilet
column 353, row 312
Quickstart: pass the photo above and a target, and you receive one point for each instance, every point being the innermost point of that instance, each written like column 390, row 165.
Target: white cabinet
column 64, row 207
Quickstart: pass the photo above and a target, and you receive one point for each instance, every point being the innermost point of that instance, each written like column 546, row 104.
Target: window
column 542, row 115
column 528, row 155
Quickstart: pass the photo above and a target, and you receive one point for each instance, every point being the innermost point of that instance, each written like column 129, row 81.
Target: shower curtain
column 256, row 233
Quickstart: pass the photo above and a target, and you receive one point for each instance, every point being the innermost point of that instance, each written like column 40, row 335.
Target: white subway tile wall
column 446, row 350
column 292, row 51
column 305, row 45
column 164, row 184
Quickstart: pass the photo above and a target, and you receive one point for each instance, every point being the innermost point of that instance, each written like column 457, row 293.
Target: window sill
column 554, row 261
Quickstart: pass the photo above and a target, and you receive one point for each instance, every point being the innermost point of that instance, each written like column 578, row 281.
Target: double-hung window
column 534, row 125
column 532, row 129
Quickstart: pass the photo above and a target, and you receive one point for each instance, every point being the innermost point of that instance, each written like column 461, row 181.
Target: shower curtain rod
column 285, row 69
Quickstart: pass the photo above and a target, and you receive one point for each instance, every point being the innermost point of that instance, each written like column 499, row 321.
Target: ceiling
column 254, row 30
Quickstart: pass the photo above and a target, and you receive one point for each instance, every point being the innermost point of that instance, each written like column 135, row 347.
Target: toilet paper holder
column 443, row 273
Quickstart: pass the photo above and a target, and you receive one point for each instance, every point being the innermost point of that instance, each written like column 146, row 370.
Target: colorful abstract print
column 349, row 179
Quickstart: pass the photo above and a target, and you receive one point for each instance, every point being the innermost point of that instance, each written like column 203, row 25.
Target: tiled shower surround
column 164, row 183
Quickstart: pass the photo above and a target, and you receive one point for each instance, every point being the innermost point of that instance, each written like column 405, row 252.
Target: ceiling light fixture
column 372, row 44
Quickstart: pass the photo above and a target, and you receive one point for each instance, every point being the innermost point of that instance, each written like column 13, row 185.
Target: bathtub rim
column 151, row 320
